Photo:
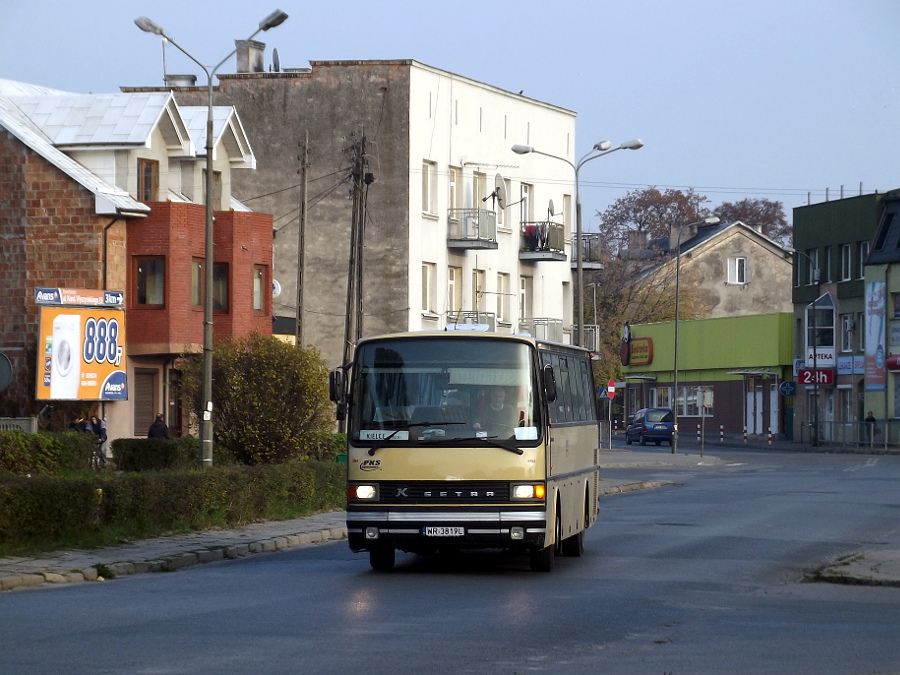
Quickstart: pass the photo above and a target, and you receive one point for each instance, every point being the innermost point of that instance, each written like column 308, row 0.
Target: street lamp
column 601, row 149
column 276, row 18
column 817, row 280
column 712, row 220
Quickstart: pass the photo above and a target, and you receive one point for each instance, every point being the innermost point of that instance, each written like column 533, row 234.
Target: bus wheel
column 381, row 558
column 544, row 559
column 574, row 546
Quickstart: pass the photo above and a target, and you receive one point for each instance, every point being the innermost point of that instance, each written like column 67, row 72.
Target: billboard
column 81, row 354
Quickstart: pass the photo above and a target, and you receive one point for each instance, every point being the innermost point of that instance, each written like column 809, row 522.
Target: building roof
column 109, row 199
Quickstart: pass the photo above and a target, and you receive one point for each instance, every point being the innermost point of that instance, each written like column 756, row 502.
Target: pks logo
column 370, row 465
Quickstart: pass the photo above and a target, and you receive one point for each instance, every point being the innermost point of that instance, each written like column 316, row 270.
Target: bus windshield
column 437, row 391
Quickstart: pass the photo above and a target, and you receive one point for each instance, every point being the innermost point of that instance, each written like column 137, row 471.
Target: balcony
column 472, row 320
column 592, row 250
column 542, row 241
column 590, row 336
column 543, row 328
column 471, row 229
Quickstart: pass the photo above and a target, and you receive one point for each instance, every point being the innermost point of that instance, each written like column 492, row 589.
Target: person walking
column 97, row 427
column 158, row 429
column 871, row 429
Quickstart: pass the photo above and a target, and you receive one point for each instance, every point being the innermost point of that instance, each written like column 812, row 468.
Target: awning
column 650, row 377
column 755, row 372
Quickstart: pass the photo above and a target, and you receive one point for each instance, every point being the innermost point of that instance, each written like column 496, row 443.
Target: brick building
column 104, row 192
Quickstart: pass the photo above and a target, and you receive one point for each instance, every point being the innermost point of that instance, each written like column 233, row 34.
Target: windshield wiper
column 407, row 427
column 487, row 440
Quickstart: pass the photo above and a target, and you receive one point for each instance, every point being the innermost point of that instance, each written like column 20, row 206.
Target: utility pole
column 301, row 245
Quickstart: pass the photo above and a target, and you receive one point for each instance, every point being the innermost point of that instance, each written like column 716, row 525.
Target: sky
column 786, row 100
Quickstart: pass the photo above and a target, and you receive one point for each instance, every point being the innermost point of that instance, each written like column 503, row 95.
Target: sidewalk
column 163, row 554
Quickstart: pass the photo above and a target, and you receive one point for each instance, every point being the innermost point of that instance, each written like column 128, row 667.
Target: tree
column 649, row 211
column 270, row 399
column 764, row 214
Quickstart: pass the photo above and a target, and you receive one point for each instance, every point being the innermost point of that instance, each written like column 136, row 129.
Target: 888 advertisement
column 81, row 354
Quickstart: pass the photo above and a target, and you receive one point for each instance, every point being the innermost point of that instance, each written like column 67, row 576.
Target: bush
column 102, row 508
column 44, row 453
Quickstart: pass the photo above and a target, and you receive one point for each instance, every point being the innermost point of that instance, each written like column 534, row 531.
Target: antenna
column 550, row 211
column 276, row 62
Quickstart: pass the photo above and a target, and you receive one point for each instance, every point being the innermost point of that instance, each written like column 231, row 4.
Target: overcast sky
column 771, row 99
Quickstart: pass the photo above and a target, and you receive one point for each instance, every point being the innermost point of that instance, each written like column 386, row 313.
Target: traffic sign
column 788, row 388
column 611, row 389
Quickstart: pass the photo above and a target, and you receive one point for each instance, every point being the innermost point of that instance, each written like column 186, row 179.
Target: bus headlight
column 529, row 491
column 362, row 492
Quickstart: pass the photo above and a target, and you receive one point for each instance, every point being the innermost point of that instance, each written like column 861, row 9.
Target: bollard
column 745, row 434
column 770, row 435
column 721, row 428
column 698, row 433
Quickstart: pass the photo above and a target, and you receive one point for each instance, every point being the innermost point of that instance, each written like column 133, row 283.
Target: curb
column 172, row 563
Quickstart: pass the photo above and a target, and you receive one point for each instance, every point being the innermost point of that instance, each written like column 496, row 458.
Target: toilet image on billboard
column 65, row 373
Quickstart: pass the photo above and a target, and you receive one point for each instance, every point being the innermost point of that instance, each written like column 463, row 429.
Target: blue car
column 651, row 425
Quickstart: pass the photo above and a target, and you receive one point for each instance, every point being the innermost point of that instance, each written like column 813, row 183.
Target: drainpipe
column 886, row 338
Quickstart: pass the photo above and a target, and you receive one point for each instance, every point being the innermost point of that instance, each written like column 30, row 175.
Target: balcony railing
column 471, row 229
column 472, row 320
column 543, row 328
column 591, row 251
column 542, row 241
column 590, row 336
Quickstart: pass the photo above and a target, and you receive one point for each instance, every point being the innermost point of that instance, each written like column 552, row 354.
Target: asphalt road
column 707, row 575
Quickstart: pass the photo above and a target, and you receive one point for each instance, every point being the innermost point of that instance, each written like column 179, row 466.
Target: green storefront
column 731, row 373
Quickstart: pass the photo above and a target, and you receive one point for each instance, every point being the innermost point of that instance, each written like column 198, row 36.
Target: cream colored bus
column 469, row 440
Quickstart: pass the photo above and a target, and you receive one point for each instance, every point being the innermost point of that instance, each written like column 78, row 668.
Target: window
column 863, row 256
column 428, row 290
column 813, row 273
column 259, row 281
column 149, row 277
column 847, row 328
column 525, row 204
column 820, row 326
column 429, row 187
column 737, row 270
column 503, row 297
column 860, row 322
column 147, row 180
column 478, row 302
column 220, row 287
column 455, row 188
column 661, row 397
column 197, row 283
column 525, row 286
column 454, row 289
column 846, row 263
column 695, row 402
column 479, row 189
column 828, row 272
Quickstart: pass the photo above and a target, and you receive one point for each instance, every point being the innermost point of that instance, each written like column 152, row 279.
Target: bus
column 467, row 440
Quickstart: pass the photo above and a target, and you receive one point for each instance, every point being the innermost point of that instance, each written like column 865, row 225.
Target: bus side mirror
column 549, row 383
column 336, row 386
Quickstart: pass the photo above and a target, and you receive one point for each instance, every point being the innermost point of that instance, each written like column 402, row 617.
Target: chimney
column 181, row 80
column 250, row 56
column 681, row 234
column 637, row 240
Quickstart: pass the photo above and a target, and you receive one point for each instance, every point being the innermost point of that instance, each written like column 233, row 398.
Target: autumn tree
column 649, row 211
column 767, row 215
column 270, row 399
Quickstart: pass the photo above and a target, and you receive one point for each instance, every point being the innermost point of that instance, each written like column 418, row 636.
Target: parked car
column 651, row 424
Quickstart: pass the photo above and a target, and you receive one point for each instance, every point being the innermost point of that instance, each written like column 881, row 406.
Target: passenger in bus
column 495, row 415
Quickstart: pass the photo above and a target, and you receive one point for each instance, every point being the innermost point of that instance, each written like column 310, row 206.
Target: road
column 706, row 575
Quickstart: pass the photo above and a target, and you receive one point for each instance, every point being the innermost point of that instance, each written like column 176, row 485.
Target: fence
column 27, row 424
column 881, row 433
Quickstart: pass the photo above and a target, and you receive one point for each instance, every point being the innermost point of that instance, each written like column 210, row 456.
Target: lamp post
column 274, row 19
column 598, row 150
column 817, row 280
column 712, row 220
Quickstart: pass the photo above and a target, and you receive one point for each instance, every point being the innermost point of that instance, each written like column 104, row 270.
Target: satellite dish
column 276, row 62
column 500, row 190
column 550, row 211
column 276, row 288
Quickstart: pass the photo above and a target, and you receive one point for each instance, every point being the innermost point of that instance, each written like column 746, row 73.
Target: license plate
column 660, row 427
column 443, row 531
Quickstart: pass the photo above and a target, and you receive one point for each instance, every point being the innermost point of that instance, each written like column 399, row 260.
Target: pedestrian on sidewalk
column 158, row 429
column 871, row 428
column 97, row 427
